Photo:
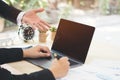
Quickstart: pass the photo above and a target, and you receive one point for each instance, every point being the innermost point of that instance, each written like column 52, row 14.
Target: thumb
column 38, row 10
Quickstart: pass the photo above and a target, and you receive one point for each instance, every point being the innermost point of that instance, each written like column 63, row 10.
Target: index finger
column 45, row 50
column 45, row 23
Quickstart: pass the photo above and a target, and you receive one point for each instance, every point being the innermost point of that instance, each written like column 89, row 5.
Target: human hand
column 60, row 67
column 32, row 19
column 36, row 52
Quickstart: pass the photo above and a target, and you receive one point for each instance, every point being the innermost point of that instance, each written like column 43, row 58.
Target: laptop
column 72, row 40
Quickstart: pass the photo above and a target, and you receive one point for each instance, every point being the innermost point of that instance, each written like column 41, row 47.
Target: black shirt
column 16, row 54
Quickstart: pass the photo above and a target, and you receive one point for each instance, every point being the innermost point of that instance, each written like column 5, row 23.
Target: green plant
column 53, row 29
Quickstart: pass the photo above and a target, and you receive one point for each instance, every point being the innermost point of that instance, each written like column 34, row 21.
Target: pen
column 56, row 56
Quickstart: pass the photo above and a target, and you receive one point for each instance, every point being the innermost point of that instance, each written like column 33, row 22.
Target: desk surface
column 105, row 45
column 21, row 67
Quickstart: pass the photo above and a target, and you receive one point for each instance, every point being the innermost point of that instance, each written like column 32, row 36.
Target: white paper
column 98, row 70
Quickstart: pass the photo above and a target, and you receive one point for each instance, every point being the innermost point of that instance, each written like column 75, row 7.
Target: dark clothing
column 15, row 54
column 8, row 12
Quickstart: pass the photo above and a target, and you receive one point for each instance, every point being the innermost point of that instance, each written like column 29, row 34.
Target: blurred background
column 104, row 15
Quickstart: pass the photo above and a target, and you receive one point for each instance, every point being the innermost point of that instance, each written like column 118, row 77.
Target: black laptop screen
column 73, row 39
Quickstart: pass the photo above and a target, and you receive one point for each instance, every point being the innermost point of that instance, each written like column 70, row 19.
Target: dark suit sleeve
column 8, row 12
column 15, row 54
column 10, row 55
column 40, row 75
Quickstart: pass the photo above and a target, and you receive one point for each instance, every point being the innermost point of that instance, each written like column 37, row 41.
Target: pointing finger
column 38, row 10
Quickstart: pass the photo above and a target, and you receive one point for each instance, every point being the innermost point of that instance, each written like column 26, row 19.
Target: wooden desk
column 24, row 66
column 21, row 67
column 101, row 48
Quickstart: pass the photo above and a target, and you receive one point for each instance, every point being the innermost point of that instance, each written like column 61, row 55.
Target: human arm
column 10, row 54
column 8, row 12
column 58, row 69
column 15, row 54
column 40, row 75
column 29, row 17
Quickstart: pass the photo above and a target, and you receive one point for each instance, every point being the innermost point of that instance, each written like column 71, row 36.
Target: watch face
column 28, row 33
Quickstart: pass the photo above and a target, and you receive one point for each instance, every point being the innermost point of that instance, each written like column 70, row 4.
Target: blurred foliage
column 106, row 7
column 27, row 4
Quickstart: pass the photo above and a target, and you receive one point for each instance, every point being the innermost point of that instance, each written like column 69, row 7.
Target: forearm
column 10, row 55
column 40, row 75
column 8, row 12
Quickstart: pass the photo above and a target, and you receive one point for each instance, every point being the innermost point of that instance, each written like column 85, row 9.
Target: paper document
column 98, row 70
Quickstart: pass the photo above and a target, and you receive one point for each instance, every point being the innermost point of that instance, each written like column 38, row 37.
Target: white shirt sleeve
column 19, row 18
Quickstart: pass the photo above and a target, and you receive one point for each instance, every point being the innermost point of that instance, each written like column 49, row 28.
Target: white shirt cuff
column 19, row 18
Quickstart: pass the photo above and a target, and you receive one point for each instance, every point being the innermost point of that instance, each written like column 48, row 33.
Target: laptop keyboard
column 71, row 62
column 46, row 62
